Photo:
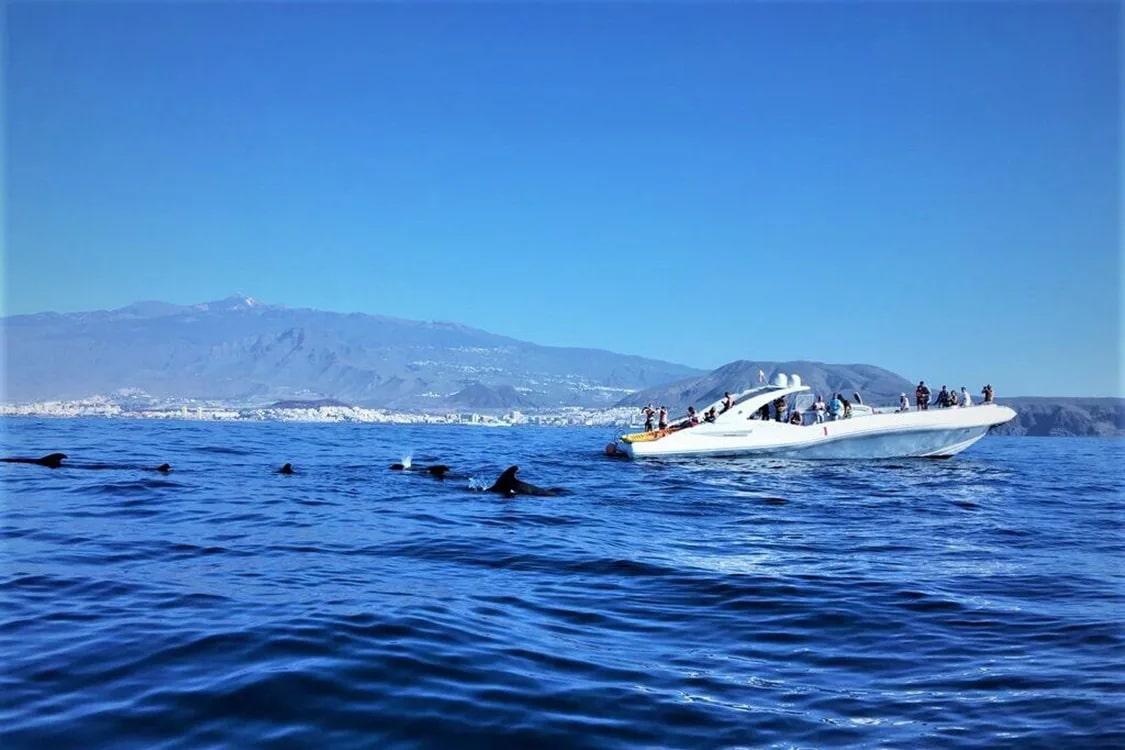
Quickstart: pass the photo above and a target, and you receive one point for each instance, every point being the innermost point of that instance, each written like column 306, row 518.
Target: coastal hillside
column 874, row 384
column 244, row 351
column 1066, row 417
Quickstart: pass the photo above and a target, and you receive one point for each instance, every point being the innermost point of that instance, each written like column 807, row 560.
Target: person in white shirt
column 820, row 407
column 966, row 399
column 903, row 403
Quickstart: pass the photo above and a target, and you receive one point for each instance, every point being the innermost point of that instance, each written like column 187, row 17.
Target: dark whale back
column 286, row 469
column 507, row 484
column 437, row 470
column 51, row 460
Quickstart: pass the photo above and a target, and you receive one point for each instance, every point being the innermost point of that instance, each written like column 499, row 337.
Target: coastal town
column 140, row 406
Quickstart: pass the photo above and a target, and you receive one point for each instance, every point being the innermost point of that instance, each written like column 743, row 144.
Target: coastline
column 568, row 416
column 1036, row 416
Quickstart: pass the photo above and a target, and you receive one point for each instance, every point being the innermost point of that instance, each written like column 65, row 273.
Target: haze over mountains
column 241, row 350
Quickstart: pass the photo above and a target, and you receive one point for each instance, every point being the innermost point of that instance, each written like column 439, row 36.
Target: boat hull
column 930, row 433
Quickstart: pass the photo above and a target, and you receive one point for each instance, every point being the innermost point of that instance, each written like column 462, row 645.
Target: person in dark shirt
column 728, row 402
column 922, row 395
column 779, row 409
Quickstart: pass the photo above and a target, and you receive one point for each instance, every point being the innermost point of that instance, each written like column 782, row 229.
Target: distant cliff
column 1070, row 417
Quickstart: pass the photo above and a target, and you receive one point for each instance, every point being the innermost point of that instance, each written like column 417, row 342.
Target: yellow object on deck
column 644, row 437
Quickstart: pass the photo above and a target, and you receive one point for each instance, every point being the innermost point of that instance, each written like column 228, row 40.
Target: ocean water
column 972, row 602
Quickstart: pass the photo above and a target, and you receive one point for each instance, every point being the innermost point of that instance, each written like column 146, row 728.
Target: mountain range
column 241, row 350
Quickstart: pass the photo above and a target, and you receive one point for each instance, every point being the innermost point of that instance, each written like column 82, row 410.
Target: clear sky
column 930, row 187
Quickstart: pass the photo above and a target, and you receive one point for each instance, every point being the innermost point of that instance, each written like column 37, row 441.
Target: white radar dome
column 794, row 380
column 781, row 380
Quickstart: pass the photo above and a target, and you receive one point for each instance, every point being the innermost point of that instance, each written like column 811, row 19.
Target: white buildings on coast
column 103, row 406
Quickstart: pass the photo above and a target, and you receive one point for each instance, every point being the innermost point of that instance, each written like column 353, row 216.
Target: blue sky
column 930, row 187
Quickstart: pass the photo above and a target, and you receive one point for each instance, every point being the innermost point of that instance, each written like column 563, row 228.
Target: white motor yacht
column 865, row 433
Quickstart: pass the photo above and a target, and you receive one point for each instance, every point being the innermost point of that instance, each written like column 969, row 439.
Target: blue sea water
column 972, row 602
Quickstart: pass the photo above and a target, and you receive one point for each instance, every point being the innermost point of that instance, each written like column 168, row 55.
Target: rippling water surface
column 973, row 602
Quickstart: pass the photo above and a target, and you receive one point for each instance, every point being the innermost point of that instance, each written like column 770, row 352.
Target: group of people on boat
column 653, row 416
column 658, row 418
column 838, row 407
column 945, row 397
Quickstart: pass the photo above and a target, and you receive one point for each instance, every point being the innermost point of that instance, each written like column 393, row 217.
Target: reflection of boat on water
column 867, row 433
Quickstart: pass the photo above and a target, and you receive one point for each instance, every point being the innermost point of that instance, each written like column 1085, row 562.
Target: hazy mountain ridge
column 241, row 350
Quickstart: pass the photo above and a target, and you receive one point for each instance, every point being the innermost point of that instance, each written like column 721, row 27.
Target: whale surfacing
column 507, row 484
column 51, row 460
column 438, row 471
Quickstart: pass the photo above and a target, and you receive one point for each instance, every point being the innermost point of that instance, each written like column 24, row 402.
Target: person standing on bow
column 922, row 395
